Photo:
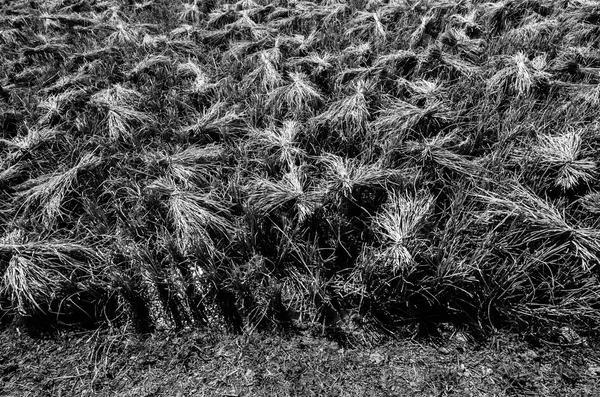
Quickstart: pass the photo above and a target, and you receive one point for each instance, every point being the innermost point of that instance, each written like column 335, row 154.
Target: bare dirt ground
column 194, row 363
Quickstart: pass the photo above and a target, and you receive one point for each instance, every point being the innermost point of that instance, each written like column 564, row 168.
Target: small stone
column 594, row 370
column 444, row 350
column 376, row 358
column 529, row 355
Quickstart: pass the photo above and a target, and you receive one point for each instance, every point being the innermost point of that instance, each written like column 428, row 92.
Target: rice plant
column 35, row 136
column 400, row 119
column 55, row 105
column 197, row 218
column 121, row 117
column 122, row 33
column 48, row 192
column 216, row 121
column 398, row 225
column 191, row 12
column 279, row 143
column 266, row 76
column 40, row 273
column 148, row 64
column 299, row 97
column 201, row 79
column 194, row 166
column 519, row 77
column 562, row 158
column 293, row 193
column 349, row 114
column 542, row 221
column 345, row 176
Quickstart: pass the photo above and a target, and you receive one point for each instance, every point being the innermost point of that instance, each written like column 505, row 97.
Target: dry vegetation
column 363, row 167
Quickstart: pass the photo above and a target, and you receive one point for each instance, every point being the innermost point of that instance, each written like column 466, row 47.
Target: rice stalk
column 216, row 120
column 265, row 76
column 334, row 11
column 591, row 202
column 398, row 225
column 182, row 31
column 190, row 13
column 195, row 166
column 542, row 221
column 198, row 219
column 471, row 49
column 55, row 105
column 351, row 113
column 582, row 33
column 343, row 176
column 9, row 172
column 298, row 98
column 357, row 54
column 399, row 63
column 217, row 19
column 467, row 23
column 113, row 14
column 416, row 38
column 434, row 60
column 122, row 33
column 93, row 56
column 30, row 285
column 49, row 191
column 242, row 50
column 509, row 13
column 121, row 116
column 42, row 272
column 442, row 150
column 48, row 22
column 293, row 193
column 315, row 63
column 306, row 43
column 47, row 51
column 246, row 27
column 11, row 36
column 367, row 25
column 280, row 143
column 148, row 63
column 533, row 31
column 400, row 119
column 32, row 74
column 70, row 81
column 201, row 79
column 563, row 156
column 519, row 77
column 35, row 136
column 71, row 20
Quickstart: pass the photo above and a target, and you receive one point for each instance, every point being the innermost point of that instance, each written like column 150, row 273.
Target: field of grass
column 364, row 168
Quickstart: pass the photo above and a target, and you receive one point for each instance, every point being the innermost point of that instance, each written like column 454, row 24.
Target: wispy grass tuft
column 563, row 158
column 294, row 193
column 349, row 114
column 119, row 104
column 48, row 192
column 198, row 218
column 299, row 98
column 279, row 143
column 398, row 225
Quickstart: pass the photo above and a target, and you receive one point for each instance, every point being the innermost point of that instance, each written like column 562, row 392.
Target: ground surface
column 213, row 364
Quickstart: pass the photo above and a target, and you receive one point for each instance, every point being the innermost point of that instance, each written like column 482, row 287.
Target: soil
column 211, row 363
